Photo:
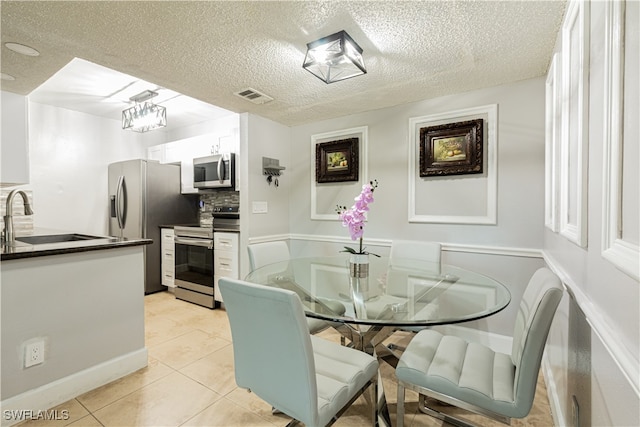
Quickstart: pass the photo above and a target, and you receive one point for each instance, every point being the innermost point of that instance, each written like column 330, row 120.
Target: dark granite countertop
column 21, row 250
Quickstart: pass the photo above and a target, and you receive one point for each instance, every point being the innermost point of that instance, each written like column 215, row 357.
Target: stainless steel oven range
column 194, row 265
column 194, row 261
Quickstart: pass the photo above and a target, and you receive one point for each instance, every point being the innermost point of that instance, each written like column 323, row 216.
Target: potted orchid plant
column 354, row 218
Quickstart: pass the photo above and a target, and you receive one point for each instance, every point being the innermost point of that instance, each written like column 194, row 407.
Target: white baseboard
column 69, row 387
column 552, row 393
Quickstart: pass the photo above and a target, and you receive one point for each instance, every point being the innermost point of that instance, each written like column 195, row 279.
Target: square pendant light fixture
column 334, row 58
column 144, row 116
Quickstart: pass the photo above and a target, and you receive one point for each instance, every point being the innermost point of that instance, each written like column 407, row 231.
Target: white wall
column 14, row 154
column 520, row 169
column 260, row 138
column 600, row 366
column 69, row 154
column 508, row 250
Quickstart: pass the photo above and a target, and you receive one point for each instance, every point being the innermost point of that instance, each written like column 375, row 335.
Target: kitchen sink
column 55, row 238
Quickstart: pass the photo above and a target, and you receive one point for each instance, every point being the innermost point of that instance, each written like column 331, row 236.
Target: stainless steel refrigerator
column 144, row 195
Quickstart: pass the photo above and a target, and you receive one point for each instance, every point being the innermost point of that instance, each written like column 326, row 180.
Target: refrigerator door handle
column 121, row 202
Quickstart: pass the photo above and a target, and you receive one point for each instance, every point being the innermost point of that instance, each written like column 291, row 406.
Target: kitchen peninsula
column 81, row 299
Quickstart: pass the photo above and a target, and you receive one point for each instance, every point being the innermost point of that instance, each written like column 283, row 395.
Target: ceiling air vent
column 254, row 96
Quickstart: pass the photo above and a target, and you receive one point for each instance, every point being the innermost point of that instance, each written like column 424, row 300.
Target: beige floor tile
column 186, row 349
column 159, row 302
column 225, row 413
column 159, row 329
column 253, row 403
column 115, row 390
column 61, row 415
column 88, row 421
column 359, row 414
column 197, row 342
column 214, row 371
column 170, row 401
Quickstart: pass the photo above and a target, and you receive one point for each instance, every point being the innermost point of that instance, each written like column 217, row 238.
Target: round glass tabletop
column 386, row 292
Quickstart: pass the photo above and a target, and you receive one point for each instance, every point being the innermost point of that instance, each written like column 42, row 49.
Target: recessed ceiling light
column 22, row 49
column 5, row 76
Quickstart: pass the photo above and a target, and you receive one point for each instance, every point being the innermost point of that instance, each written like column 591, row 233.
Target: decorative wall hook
column 271, row 168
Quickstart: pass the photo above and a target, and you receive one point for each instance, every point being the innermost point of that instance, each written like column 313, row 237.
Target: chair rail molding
column 621, row 252
column 608, row 337
column 491, row 166
column 449, row 247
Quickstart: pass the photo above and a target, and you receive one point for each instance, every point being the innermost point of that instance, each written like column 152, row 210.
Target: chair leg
column 400, row 408
column 374, row 403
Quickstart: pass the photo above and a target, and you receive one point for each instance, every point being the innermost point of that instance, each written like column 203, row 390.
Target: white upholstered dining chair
column 305, row 377
column 476, row 378
column 415, row 249
column 261, row 254
column 404, row 254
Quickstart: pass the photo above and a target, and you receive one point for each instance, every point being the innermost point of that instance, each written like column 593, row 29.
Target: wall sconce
column 334, row 58
column 144, row 117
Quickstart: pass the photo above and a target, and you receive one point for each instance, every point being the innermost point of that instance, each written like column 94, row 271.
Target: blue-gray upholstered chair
column 261, row 254
column 474, row 377
column 305, row 377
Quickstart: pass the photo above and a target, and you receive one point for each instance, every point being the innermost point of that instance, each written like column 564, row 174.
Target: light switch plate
column 259, row 207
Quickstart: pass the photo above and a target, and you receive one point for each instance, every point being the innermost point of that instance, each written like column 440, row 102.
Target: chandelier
column 144, row 116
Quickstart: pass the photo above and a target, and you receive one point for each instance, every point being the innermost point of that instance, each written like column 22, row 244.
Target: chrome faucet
column 9, row 237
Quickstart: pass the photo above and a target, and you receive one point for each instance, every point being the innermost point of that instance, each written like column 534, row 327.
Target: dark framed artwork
column 451, row 149
column 337, row 161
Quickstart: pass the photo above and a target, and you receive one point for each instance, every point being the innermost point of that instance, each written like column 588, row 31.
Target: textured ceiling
column 208, row 50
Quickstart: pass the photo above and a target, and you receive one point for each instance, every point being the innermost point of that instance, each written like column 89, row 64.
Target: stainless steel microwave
column 215, row 171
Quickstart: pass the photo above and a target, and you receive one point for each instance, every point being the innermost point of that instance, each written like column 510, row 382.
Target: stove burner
column 231, row 212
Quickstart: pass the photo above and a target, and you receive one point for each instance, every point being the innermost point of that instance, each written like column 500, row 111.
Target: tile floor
column 190, row 382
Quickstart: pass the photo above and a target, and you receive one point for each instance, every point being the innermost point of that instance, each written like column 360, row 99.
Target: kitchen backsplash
column 214, row 199
column 22, row 224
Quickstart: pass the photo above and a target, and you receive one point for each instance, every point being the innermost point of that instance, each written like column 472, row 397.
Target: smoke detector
column 254, row 96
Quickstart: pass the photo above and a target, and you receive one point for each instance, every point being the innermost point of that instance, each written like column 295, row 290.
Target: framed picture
column 337, row 161
column 451, row 149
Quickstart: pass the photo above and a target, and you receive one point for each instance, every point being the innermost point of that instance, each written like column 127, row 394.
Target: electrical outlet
column 33, row 353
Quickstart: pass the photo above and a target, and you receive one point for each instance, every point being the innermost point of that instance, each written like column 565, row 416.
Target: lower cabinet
column 167, row 247
column 225, row 258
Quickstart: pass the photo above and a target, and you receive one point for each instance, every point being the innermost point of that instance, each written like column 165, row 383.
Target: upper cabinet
column 15, row 141
column 183, row 151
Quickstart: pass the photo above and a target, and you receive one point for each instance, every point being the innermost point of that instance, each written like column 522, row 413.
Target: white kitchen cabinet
column 225, row 258
column 167, row 246
column 15, row 141
column 183, row 151
column 156, row 152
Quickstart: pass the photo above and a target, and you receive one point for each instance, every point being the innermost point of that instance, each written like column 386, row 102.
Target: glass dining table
column 391, row 294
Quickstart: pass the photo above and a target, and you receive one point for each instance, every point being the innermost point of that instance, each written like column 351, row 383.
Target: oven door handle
column 194, row 242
